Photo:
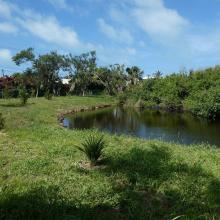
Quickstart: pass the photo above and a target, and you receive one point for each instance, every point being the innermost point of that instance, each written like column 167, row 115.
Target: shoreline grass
column 142, row 179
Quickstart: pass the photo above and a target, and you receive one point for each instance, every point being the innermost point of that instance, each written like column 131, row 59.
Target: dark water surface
column 150, row 124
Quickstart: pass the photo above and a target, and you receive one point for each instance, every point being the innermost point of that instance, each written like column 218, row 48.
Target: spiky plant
column 93, row 147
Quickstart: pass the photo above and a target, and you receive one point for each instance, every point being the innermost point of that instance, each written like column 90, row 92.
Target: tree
column 113, row 78
column 134, row 75
column 48, row 67
column 82, row 69
column 24, row 56
column 30, row 74
column 158, row 74
column 44, row 70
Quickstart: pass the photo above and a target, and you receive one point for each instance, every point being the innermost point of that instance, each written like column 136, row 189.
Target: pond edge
column 61, row 116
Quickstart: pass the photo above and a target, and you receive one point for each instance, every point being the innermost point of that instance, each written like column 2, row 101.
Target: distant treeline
column 194, row 91
column 43, row 76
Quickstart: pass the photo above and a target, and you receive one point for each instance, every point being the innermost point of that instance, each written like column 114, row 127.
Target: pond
column 150, row 124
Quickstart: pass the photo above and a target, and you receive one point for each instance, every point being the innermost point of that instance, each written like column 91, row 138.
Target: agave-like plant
column 93, row 147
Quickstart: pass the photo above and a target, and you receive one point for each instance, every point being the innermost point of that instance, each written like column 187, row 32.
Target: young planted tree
column 23, row 94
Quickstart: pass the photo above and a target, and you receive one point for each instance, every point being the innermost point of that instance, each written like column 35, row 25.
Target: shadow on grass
column 188, row 191
column 15, row 105
column 137, row 177
column 45, row 203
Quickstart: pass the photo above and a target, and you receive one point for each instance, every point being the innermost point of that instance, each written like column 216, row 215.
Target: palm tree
column 134, row 75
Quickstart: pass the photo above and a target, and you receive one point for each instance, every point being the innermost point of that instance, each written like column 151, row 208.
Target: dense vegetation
column 42, row 176
column 43, row 76
column 194, row 91
column 198, row 92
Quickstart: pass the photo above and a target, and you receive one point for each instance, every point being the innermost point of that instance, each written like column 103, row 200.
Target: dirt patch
column 84, row 165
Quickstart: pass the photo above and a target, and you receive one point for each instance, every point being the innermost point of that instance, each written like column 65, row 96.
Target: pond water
column 150, row 124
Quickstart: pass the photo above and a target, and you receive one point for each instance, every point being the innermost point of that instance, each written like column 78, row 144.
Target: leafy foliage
column 93, row 147
column 205, row 103
column 196, row 91
column 24, row 56
column 23, row 94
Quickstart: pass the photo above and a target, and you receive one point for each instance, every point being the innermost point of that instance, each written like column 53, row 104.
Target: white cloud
column 62, row 4
column 118, row 15
column 48, row 29
column 157, row 20
column 8, row 28
column 131, row 51
column 121, row 35
column 149, row 3
column 5, row 9
column 205, row 43
column 5, row 54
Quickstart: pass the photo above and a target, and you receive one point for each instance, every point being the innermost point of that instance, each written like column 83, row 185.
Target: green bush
column 48, row 95
column 93, row 147
column 196, row 91
column 23, row 94
column 139, row 104
column 2, row 122
column 6, row 93
column 122, row 98
column 205, row 103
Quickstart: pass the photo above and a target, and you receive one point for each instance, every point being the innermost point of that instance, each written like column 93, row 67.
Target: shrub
column 6, row 93
column 93, row 147
column 205, row 103
column 139, row 104
column 48, row 95
column 2, row 122
column 122, row 98
column 23, row 94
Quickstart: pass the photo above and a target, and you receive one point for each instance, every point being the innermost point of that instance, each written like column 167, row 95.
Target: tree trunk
column 37, row 93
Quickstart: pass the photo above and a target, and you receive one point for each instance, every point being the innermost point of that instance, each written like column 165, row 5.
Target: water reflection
column 177, row 127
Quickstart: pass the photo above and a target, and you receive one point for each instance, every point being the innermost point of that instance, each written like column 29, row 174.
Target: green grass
column 41, row 178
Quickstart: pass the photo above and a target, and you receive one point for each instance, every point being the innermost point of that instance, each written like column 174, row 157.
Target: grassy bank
column 40, row 177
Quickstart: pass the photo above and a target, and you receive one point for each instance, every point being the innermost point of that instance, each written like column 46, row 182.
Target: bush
column 122, row 98
column 6, row 93
column 205, row 104
column 2, row 122
column 48, row 95
column 139, row 104
column 23, row 94
column 93, row 147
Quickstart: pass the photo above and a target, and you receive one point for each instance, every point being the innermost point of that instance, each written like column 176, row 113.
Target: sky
column 165, row 35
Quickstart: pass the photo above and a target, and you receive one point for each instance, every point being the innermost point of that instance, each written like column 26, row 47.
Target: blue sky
column 165, row 35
